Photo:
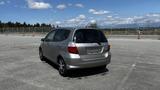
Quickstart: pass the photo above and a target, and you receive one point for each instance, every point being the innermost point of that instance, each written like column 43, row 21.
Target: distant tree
column 43, row 25
column 17, row 24
column 24, row 24
column 1, row 25
column 49, row 25
column 57, row 26
column 29, row 25
column 53, row 26
column 10, row 24
column 37, row 25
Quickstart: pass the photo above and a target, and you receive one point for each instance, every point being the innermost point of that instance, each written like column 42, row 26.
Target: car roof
column 69, row 28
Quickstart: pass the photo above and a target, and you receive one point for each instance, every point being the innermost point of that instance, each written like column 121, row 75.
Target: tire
column 62, row 67
column 103, row 67
column 42, row 58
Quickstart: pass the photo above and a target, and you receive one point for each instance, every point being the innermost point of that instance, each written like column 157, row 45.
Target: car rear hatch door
column 91, row 44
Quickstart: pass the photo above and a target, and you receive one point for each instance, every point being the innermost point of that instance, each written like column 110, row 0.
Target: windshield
column 89, row 36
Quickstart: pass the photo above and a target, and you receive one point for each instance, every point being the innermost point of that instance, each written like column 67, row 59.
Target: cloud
column 79, row 20
column 109, row 16
column 93, row 21
column 92, row 10
column 61, row 6
column 2, row 2
column 148, row 19
column 81, row 17
column 152, row 19
column 58, row 22
column 38, row 5
column 100, row 12
column 111, row 20
column 79, row 5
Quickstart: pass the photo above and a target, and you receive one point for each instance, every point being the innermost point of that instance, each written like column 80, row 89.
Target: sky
column 81, row 12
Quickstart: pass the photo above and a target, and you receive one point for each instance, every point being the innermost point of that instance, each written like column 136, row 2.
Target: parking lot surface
column 135, row 65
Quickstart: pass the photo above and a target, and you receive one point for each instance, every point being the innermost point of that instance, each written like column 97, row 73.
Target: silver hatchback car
column 75, row 48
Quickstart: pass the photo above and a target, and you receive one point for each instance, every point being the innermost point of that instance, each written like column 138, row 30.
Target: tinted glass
column 61, row 35
column 89, row 36
column 50, row 36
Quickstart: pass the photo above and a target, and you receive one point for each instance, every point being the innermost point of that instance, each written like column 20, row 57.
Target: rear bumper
column 78, row 64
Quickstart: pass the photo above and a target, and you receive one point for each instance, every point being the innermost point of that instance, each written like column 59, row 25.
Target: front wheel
column 103, row 67
column 62, row 67
column 42, row 58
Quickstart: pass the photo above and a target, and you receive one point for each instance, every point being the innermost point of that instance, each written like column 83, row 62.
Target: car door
column 58, row 45
column 46, row 44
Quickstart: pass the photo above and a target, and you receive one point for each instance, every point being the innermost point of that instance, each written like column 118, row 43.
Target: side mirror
column 42, row 39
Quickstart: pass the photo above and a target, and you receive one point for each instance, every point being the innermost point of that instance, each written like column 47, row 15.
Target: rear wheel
column 42, row 58
column 62, row 67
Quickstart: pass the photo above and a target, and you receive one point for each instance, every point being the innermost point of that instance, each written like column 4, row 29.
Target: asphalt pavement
column 135, row 65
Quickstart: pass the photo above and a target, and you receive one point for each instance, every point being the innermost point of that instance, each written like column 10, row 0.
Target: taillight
column 73, row 50
column 109, row 47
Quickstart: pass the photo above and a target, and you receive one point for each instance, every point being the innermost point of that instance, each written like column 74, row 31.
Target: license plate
column 94, row 51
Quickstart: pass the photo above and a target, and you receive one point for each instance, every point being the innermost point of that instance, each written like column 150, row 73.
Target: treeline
column 24, row 24
column 133, row 31
column 17, row 27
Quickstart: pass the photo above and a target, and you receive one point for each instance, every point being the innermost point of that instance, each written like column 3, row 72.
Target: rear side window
column 61, row 35
column 50, row 36
column 89, row 36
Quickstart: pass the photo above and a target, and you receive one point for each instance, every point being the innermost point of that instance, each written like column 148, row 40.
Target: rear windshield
column 89, row 36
